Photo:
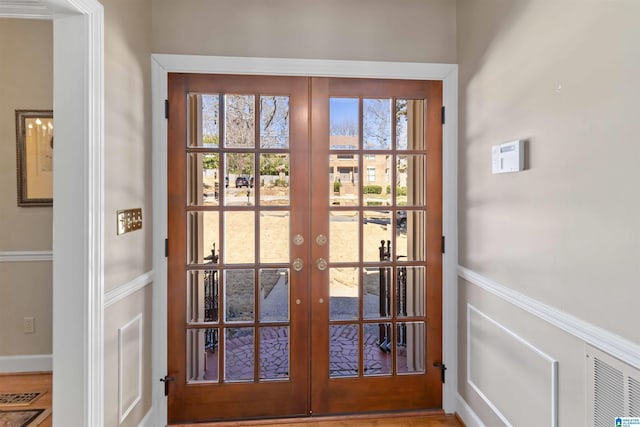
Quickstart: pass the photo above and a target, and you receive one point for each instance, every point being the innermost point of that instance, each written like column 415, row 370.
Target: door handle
column 321, row 263
column 298, row 264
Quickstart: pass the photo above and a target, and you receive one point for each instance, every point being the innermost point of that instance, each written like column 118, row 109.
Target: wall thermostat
column 507, row 157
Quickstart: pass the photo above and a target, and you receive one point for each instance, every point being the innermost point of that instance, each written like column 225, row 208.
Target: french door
column 304, row 246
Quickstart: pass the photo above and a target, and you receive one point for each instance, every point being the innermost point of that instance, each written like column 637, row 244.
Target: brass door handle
column 298, row 264
column 321, row 263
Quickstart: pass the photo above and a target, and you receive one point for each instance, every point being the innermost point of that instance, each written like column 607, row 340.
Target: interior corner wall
column 364, row 30
column 26, row 83
column 562, row 76
column 127, row 185
column 127, row 156
column 565, row 231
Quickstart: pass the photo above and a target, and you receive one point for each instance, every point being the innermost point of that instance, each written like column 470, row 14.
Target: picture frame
column 34, row 154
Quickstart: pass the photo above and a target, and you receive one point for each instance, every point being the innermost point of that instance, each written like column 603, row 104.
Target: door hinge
column 166, row 380
column 442, row 244
column 166, row 108
column 443, row 115
column 166, row 248
column 442, row 368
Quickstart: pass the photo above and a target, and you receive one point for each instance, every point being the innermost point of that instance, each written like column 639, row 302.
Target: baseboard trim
column 466, row 414
column 129, row 288
column 26, row 363
column 21, row 256
column 615, row 345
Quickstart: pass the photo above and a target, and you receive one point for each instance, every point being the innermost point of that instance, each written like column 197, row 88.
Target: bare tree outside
column 239, row 121
column 376, row 123
column 274, row 122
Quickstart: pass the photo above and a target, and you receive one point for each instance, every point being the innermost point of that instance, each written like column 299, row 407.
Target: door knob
column 321, row 240
column 298, row 240
column 297, row 264
column 322, row 264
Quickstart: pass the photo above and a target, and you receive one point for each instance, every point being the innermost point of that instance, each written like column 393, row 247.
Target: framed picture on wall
column 34, row 137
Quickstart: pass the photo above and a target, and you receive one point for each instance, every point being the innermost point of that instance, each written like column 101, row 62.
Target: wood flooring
column 23, row 383
column 436, row 419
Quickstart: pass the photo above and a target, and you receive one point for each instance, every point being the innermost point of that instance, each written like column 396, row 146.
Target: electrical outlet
column 128, row 220
column 29, row 325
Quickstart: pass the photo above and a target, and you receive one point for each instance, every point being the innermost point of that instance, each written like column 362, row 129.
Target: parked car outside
column 243, row 181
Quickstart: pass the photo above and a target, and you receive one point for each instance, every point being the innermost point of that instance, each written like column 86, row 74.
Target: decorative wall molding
column 615, row 345
column 26, row 363
column 129, row 288
column 468, row 415
column 123, row 374
column 553, row 368
column 22, row 256
column 148, row 420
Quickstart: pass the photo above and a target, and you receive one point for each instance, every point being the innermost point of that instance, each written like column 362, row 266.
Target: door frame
column 162, row 64
column 78, row 267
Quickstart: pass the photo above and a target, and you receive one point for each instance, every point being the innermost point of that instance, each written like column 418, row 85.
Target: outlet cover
column 29, row 325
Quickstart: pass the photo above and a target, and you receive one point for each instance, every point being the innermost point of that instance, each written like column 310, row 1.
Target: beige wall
column 402, row 30
column 565, row 77
column 26, row 83
column 562, row 75
column 127, row 28
column 127, row 136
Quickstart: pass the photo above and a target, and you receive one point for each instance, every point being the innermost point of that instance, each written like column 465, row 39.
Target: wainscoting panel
column 514, row 378
column 130, row 338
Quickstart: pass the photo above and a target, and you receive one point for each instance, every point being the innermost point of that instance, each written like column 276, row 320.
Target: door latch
column 442, row 368
column 166, row 380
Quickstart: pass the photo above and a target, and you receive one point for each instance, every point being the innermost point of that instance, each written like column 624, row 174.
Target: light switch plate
column 128, row 220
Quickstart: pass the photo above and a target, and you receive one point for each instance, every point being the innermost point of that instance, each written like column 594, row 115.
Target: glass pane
column 378, row 346
column 238, row 179
column 274, row 237
column 202, row 296
column 410, row 291
column 411, row 180
column 274, row 179
column 238, row 354
column 239, row 242
column 376, row 232
column 376, row 124
column 202, row 355
column 274, row 353
column 204, row 119
column 203, row 237
column 410, row 124
column 411, row 235
column 411, row 347
column 203, row 185
column 274, row 295
column 238, row 296
column 343, row 180
column 239, row 129
column 344, row 351
column 377, row 292
column 376, row 185
column 344, row 236
column 274, row 121
column 343, row 123
column 343, row 293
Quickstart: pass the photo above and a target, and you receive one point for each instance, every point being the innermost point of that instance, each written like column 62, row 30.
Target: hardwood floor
column 24, row 383
column 436, row 419
column 42, row 382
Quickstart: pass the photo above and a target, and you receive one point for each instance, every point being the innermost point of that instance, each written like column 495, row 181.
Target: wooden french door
column 304, row 246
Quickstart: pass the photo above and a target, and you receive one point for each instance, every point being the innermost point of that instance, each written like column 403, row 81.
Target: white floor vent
column 613, row 388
